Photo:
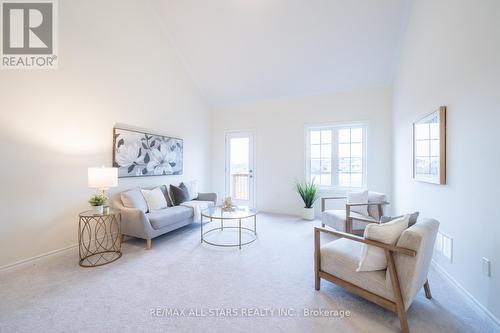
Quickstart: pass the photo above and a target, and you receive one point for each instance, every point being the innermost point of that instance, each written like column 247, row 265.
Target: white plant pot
column 308, row 214
column 98, row 210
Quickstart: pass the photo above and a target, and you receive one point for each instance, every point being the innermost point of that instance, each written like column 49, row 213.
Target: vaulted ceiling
column 240, row 51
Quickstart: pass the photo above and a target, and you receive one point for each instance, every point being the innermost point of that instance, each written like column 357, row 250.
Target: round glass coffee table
column 236, row 214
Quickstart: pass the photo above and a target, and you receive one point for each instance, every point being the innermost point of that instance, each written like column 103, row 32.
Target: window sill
column 341, row 189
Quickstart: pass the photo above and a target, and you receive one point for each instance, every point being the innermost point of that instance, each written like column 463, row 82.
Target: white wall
column 451, row 56
column 115, row 66
column 279, row 128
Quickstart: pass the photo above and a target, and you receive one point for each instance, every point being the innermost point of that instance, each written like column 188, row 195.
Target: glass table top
column 237, row 212
column 90, row 213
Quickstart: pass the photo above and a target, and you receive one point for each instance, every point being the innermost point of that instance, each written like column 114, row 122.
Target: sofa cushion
column 164, row 217
column 134, row 199
column 179, row 193
column 155, row 199
column 164, row 189
column 192, row 188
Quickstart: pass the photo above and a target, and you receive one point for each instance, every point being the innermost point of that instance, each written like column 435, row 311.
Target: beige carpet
column 228, row 290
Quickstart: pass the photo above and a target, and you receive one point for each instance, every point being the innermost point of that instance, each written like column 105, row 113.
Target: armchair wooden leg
column 427, row 290
column 348, row 225
column 400, row 307
column 317, row 260
column 148, row 244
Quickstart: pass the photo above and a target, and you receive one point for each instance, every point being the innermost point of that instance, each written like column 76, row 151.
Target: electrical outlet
column 486, row 267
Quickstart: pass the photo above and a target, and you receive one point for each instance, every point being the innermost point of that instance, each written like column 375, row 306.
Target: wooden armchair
column 394, row 288
column 353, row 222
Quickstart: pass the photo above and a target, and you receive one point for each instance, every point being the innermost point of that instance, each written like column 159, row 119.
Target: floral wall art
column 138, row 154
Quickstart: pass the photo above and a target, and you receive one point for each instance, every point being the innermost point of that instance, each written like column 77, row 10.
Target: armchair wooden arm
column 367, row 203
column 349, row 218
column 355, row 238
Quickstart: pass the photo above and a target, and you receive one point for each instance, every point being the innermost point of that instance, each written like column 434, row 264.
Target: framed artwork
column 429, row 148
column 137, row 154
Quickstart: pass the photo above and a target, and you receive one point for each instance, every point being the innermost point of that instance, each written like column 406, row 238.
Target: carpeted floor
column 227, row 290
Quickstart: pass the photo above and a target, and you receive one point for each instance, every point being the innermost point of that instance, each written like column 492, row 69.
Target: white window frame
column 335, row 127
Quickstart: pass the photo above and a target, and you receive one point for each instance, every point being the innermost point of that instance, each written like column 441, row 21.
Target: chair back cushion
column 373, row 210
column 412, row 271
column 358, row 197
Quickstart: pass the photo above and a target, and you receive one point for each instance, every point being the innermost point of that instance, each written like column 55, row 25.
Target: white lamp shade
column 102, row 177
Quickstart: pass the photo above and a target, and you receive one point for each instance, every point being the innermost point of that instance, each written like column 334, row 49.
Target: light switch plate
column 444, row 246
column 486, row 267
column 447, row 247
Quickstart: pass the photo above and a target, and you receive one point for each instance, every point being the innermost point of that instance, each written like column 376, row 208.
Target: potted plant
column 309, row 194
column 97, row 202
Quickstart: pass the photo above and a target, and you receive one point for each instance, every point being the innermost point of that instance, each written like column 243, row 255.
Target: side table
column 99, row 238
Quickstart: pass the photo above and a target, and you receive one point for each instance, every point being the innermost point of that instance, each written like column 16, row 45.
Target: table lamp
column 102, row 178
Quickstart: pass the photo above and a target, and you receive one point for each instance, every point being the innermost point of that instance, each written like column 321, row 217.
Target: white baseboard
column 37, row 257
column 465, row 293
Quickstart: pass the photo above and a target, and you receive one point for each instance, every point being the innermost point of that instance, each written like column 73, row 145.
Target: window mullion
column 335, row 158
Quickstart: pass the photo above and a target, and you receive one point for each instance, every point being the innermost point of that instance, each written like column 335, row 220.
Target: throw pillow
column 411, row 221
column 192, row 187
column 372, row 257
column 358, row 197
column 179, row 194
column 154, row 199
column 134, row 199
column 168, row 195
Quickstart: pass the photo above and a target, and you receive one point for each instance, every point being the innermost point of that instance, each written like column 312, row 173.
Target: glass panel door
column 240, row 174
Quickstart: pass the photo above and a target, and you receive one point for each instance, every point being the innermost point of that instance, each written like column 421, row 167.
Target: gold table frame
column 99, row 238
column 251, row 213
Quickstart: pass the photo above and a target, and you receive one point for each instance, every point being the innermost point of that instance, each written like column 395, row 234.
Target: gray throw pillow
column 179, row 193
column 411, row 221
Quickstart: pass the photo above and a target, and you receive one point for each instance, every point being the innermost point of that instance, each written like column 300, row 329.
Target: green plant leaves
column 308, row 192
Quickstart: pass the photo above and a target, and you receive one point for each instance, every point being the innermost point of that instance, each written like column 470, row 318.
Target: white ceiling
column 241, row 51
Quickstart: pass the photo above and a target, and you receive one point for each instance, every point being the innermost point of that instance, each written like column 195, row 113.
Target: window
column 335, row 155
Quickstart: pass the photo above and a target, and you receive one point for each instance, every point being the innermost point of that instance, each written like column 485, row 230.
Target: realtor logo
column 28, row 34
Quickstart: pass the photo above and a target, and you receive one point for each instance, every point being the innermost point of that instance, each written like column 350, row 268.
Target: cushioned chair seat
column 335, row 218
column 164, row 217
column 341, row 257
